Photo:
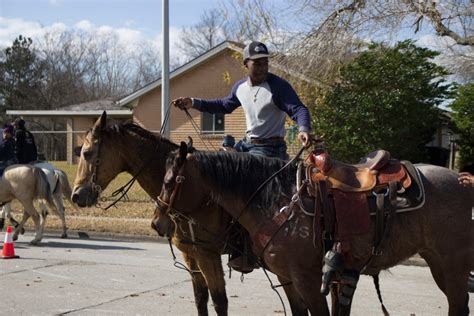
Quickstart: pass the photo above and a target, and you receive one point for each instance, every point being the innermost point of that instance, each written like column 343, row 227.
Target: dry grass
column 132, row 217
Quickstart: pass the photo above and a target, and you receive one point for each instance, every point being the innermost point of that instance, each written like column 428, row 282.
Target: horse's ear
column 77, row 151
column 183, row 150
column 190, row 145
column 100, row 123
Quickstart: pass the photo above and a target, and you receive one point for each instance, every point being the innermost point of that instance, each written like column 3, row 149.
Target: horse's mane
column 243, row 173
column 132, row 128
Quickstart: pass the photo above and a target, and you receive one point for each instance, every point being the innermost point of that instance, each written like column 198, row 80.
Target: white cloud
column 11, row 28
column 84, row 25
column 130, row 38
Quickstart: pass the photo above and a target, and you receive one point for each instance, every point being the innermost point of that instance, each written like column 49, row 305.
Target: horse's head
column 181, row 180
column 99, row 163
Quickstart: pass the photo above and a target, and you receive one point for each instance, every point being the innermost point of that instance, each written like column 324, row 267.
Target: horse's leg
column 308, row 285
column 44, row 215
column 31, row 210
column 435, row 266
column 7, row 211
column 201, row 292
column 58, row 201
column 297, row 305
column 451, row 278
column 2, row 217
column 211, row 266
column 19, row 229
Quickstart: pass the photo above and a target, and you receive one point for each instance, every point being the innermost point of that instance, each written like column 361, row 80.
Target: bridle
column 167, row 207
column 95, row 168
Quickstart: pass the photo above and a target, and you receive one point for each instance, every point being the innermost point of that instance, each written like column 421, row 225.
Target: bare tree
column 379, row 20
column 204, row 35
column 236, row 20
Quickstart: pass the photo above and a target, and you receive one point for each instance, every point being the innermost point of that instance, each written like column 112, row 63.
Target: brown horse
column 440, row 231
column 110, row 150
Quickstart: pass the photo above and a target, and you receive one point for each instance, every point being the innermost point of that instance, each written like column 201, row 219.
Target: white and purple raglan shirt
column 264, row 105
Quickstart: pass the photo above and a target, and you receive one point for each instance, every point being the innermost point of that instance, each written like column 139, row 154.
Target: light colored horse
column 59, row 186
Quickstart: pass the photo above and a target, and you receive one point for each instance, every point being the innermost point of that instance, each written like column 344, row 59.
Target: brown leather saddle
column 351, row 191
column 376, row 169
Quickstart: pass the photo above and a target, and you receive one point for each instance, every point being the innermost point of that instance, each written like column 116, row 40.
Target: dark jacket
column 7, row 151
column 25, row 149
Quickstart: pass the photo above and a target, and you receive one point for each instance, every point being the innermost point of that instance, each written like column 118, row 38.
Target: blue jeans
column 274, row 149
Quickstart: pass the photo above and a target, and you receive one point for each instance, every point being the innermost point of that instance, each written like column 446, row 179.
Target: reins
column 123, row 190
column 196, row 129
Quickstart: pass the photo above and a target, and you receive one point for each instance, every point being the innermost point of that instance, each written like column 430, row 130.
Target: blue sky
column 132, row 21
column 142, row 16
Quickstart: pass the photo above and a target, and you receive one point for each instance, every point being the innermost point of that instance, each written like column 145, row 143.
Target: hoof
column 22, row 231
column 2, row 223
column 35, row 242
column 15, row 237
column 64, row 236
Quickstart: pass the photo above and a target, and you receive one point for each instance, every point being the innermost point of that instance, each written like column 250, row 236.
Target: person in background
column 228, row 144
column 7, row 149
column 466, row 179
column 25, row 146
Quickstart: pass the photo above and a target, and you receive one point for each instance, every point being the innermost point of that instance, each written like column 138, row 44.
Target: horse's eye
column 87, row 155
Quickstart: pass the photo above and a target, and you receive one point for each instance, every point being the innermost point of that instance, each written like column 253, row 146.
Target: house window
column 212, row 123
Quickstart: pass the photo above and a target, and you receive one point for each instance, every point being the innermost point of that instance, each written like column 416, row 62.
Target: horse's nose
column 75, row 197
column 153, row 225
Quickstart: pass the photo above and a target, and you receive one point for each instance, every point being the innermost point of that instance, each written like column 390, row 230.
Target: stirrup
column 333, row 262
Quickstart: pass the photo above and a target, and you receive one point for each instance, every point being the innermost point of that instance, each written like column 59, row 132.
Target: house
column 209, row 76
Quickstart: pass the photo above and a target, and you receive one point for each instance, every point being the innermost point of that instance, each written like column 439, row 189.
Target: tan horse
column 110, row 150
column 26, row 184
column 59, row 186
column 440, row 231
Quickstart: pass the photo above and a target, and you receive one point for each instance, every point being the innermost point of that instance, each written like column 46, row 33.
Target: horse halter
column 161, row 204
column 95, row 187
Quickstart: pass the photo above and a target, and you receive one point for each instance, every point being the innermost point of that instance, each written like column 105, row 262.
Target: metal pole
column 165, row 101
column 452, row 152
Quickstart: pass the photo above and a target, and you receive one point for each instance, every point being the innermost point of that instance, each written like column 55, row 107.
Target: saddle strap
column 382, row 233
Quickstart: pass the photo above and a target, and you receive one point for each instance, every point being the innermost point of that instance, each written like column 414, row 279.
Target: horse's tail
column 65, row 186
column 43, row 190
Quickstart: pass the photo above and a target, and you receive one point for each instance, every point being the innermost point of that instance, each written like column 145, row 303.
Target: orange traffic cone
column 8, row 251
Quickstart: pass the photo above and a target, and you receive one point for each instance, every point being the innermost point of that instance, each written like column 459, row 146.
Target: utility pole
column 165, row 100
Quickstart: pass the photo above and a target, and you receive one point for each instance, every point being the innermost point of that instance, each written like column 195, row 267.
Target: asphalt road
column 102, row 276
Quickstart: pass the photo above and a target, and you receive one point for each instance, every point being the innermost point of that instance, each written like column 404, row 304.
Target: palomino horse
column 440, row 231
column 59, row 186
column 110, row 150
column 27, row 183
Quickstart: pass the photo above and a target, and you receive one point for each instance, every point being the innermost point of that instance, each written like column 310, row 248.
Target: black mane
column 130, row 127
column 243, row 173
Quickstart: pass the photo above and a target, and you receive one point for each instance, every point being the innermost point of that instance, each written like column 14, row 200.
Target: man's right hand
column 182, row 103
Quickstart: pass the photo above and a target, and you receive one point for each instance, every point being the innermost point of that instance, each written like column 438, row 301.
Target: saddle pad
column 352, row 214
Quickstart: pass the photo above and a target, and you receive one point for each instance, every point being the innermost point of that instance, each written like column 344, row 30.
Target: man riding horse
column 265, row 99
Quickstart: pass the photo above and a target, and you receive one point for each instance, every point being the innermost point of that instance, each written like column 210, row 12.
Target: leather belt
column 266, row 140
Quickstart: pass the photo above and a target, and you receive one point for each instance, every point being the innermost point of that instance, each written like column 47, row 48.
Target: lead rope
column 196, row 129
column 274, row 288
column 178, row 264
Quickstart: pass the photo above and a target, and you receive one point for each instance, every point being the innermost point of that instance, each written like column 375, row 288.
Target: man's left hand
column 305, row 139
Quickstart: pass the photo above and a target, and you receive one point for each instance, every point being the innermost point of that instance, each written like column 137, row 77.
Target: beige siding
column 207, row 81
